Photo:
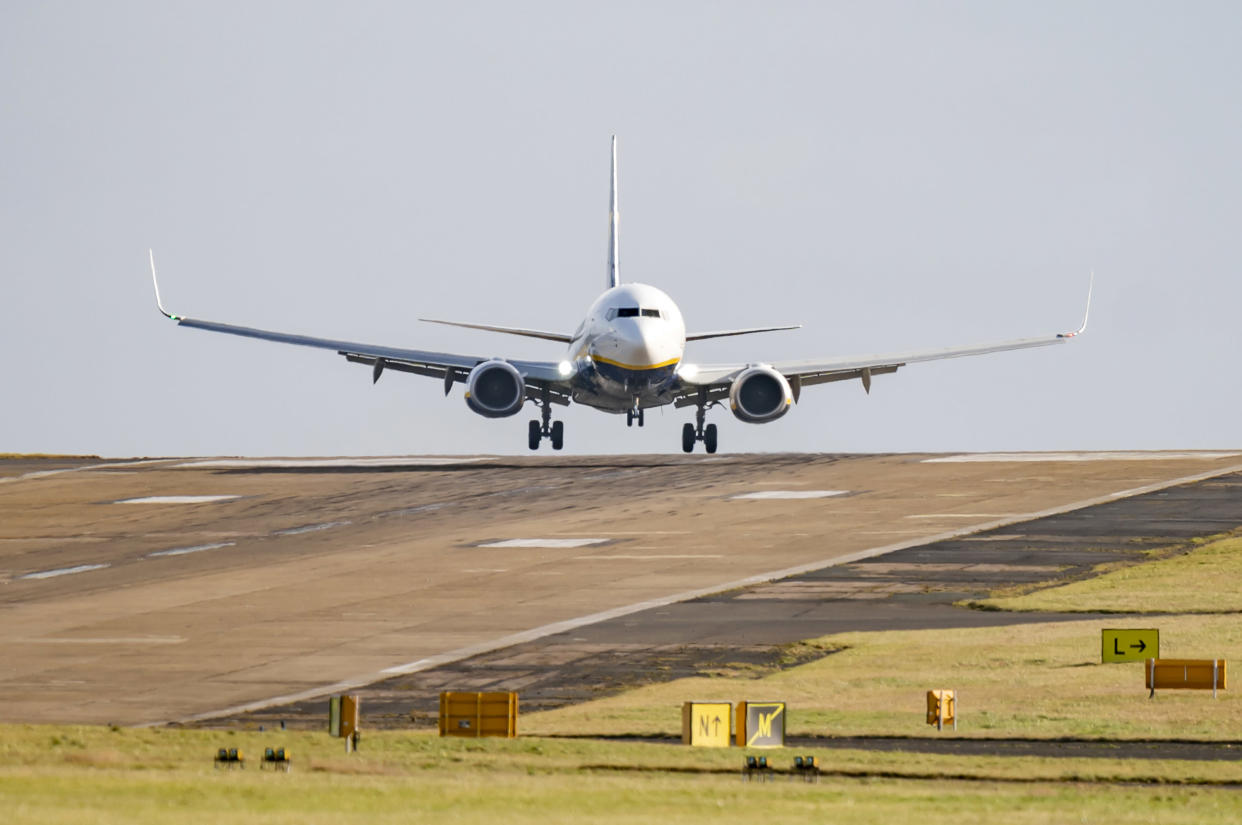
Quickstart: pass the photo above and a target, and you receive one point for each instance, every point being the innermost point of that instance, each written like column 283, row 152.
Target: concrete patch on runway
column 792, row 495
column 175, row 499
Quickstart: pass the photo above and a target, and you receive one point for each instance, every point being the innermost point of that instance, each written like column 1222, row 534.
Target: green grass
column 1203, row 580
column 58, row 774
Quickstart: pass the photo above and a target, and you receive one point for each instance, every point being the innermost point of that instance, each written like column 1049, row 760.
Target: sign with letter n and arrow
column 1129, row 645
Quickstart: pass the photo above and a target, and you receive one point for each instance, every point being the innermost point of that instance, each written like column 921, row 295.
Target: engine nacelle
column 760, row 395
column 495, row 389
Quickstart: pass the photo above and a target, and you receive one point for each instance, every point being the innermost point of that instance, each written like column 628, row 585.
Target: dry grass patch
column 1038, row 680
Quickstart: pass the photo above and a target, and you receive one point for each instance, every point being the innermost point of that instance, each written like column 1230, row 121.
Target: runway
column 160, row 590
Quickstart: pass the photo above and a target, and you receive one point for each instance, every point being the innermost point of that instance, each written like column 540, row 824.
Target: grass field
column 1032, row 681
column 98, row 775
column 1042, row 680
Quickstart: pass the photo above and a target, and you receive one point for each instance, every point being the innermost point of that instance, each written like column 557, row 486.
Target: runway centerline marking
column 790, row 494
column 566, row 625
column 556, row 544
column 310, row 528
column 64, row 571
column 196, row 548
column 666, row 556
column 963, row 515
column 175, row 499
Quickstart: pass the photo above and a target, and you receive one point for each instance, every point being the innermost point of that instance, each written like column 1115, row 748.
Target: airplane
column 626, row 356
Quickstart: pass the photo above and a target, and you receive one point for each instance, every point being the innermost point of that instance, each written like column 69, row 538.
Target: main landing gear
column 691, row 433
column 546, row 428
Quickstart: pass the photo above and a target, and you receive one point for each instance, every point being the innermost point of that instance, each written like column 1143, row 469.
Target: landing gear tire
column 687, row 438
column 629, row 418
column 533, row 435
column 709, row 437
column 558, row 434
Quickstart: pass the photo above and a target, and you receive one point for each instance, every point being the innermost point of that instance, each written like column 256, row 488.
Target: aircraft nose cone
column 637, row 348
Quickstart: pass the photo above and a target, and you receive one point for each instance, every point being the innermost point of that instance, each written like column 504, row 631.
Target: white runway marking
column 81, row 469
column 64, row 571
column 311, row 528
column 175, row 499
column 668, row 556
column 558, row 544
column 963, row 515
column 968, row 458
column 312, row 463
column 792, row 494
column 197, row 548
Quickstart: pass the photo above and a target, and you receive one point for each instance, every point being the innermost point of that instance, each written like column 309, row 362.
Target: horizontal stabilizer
column 529, row 333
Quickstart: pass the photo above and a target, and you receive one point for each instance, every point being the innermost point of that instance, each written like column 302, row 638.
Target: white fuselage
column 625, row 354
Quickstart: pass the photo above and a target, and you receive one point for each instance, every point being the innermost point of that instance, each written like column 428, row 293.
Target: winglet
column 1086, row 314
column 158, row 302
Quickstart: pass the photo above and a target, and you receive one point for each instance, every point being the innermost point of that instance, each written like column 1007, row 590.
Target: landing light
column 565, row 368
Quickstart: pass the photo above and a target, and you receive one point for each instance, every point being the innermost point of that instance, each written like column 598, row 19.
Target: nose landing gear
column 536, row 431
column 633, row 415
column 691, row 433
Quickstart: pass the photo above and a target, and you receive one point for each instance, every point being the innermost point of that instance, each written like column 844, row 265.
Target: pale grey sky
column 891, row 175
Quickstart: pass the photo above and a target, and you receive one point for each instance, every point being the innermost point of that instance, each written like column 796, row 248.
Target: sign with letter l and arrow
column 1129, row 645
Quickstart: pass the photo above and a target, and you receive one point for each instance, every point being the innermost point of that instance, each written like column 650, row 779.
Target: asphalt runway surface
column 150, row 591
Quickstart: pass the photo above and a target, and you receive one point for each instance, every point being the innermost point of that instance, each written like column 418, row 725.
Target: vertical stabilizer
column 614, row 270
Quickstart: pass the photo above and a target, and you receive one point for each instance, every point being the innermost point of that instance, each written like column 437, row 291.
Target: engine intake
column 495, row 389
column 760, row 395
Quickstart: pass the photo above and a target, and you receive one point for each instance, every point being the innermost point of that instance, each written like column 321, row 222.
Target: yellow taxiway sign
column 1129, row 645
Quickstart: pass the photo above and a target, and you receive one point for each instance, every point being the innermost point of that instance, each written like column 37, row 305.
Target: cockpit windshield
column 632, row 312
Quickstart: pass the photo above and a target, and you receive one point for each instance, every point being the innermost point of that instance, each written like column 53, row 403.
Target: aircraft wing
column 726, row 333
column 716, row 378
column 449, row 366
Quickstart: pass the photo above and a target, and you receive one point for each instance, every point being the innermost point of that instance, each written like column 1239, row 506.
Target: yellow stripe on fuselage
column 603, row 360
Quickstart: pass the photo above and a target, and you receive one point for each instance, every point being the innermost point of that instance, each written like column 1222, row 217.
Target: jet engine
column 495, row 389
column 760, row 395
